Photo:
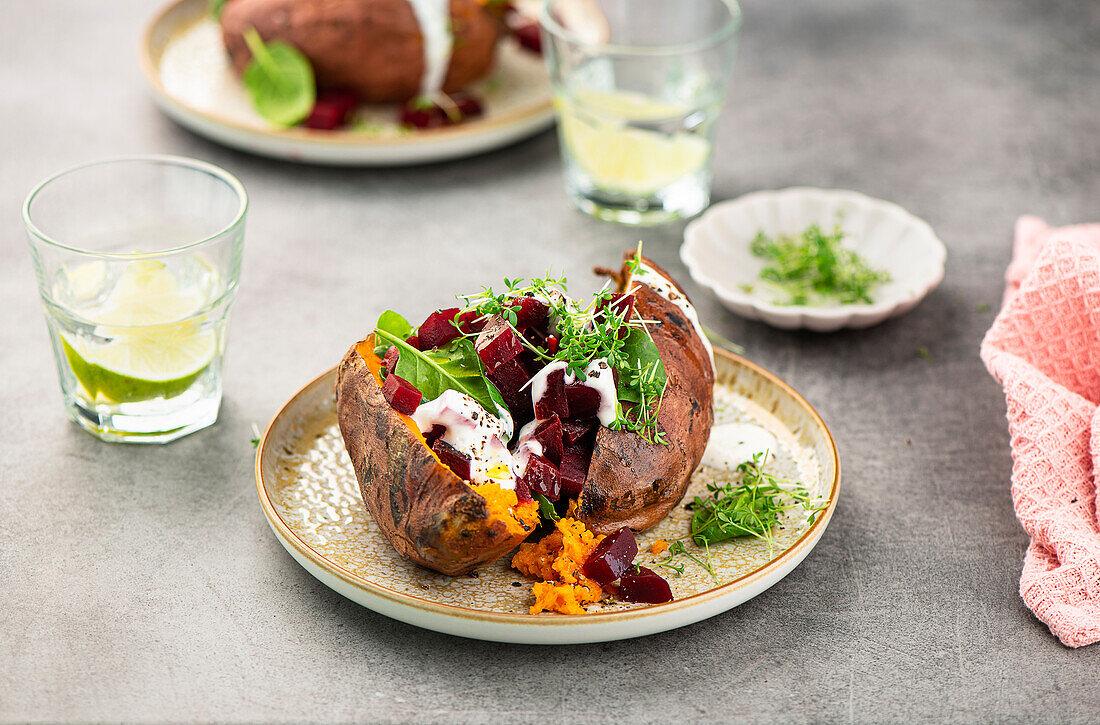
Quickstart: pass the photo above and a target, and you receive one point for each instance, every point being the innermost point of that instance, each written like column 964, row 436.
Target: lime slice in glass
column 625, row 159
column 154, row 342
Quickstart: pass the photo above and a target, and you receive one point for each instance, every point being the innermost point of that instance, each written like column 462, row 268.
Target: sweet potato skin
column 427, row 512
column 373, row 47
column 634, row 483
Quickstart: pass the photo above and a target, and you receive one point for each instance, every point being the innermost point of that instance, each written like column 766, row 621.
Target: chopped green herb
column 923, row 354
column 546, row 509
column 815, row 269
column 279, row 80
column 982, row 307
column 255, row 436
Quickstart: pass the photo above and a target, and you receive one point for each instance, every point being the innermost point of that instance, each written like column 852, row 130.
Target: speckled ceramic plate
column 192, row 81
column 311, row 498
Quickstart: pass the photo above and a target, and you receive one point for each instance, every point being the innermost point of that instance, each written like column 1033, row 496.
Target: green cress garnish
column 814, row 269
column 587, row 333
column 279, row 80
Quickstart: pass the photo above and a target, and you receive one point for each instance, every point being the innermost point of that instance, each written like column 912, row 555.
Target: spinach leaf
column 279, row 80
column 454, row 367
column 394, row 324
column 640, row 368
column 546, row 509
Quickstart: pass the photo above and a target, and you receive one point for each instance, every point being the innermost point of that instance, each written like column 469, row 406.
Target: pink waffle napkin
column 1044, row 348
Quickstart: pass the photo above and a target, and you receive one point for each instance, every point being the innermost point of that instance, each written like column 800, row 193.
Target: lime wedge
column 155, row 345
column 620, row 158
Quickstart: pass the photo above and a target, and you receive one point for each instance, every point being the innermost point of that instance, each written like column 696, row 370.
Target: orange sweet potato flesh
column 373, row 47
column 634, row 483
column 427, row 512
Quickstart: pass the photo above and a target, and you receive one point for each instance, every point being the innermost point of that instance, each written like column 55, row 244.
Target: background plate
column 192, row 81
column 311, row 498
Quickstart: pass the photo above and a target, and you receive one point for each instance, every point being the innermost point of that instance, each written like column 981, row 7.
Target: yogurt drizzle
column 598, row 376
column 434, row 17
column 474, row 432
column 666, row 288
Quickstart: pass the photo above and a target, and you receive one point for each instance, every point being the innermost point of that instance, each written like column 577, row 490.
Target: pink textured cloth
column 1044, row 348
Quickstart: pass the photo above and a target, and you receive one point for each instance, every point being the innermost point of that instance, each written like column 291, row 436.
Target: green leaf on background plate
column 279, row 80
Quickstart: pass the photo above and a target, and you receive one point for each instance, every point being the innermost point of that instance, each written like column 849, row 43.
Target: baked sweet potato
column 429, row 514
column 372, row 47
column 590, row 374
column 633, row 482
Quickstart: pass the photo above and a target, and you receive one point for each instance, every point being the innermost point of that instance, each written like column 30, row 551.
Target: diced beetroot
column 497, row 344
column 438, row 329
column 574, row 469
column 611, row 557
column 527, row 33
column 413, row 341
column 573, row 429
column 401, row 394
column 510, row 379
column 471, row 321
column 523, row 493
column 420, row 114
column 331, row 109
column 532, row 313
column 390, row 360
column 584, row 402
column 548, row 433
column 620, row 302
column 541, row 476
column 646, row 586
column 452, row 458
column 435, row 433
column 553, row 399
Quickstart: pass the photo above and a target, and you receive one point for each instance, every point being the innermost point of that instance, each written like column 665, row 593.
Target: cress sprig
column 588, row 332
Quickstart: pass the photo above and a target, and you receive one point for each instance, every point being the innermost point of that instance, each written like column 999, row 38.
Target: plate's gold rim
column 807, row 539
column 319, row 138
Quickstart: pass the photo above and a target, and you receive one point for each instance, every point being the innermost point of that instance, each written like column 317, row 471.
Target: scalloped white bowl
column 716, row 252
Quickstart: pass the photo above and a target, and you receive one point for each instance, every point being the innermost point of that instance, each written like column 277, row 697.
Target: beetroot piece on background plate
column 497, row 344
column 553, row 400
column 438, row 329
column 331, row 110
column 401, row 394
column 420, row 114
column 612, row 557
column 454, row 459
column 645, row 586
column 542, row 477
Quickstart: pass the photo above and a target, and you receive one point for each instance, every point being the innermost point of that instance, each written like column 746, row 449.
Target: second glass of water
column 638, row 86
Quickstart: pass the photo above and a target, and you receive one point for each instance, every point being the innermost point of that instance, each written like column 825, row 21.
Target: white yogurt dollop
column 598, row 376
column 732, row 444
column 474, row 432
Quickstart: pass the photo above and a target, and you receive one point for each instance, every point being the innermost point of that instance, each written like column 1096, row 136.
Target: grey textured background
column 144, row 584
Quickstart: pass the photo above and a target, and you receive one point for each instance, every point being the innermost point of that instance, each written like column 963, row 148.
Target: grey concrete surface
column 143, row 584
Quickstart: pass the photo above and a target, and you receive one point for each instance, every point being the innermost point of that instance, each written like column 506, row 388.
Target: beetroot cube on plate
column 573, row 430
column 549, row 435
column 454, row 459
column 612, row 557
column 583, row 401
column 645, row 585
column 541, row 476
column 574, row 469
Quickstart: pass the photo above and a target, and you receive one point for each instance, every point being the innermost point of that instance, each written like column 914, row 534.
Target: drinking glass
column 138, row 261
column 638, row 86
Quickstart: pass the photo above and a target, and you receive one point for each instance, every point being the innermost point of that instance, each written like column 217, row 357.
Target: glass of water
column 638, row 85
column 138, row 261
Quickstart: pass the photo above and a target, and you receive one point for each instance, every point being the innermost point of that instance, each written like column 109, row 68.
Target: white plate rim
column 306, row 145
column 822, row 319
column 557, row 629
